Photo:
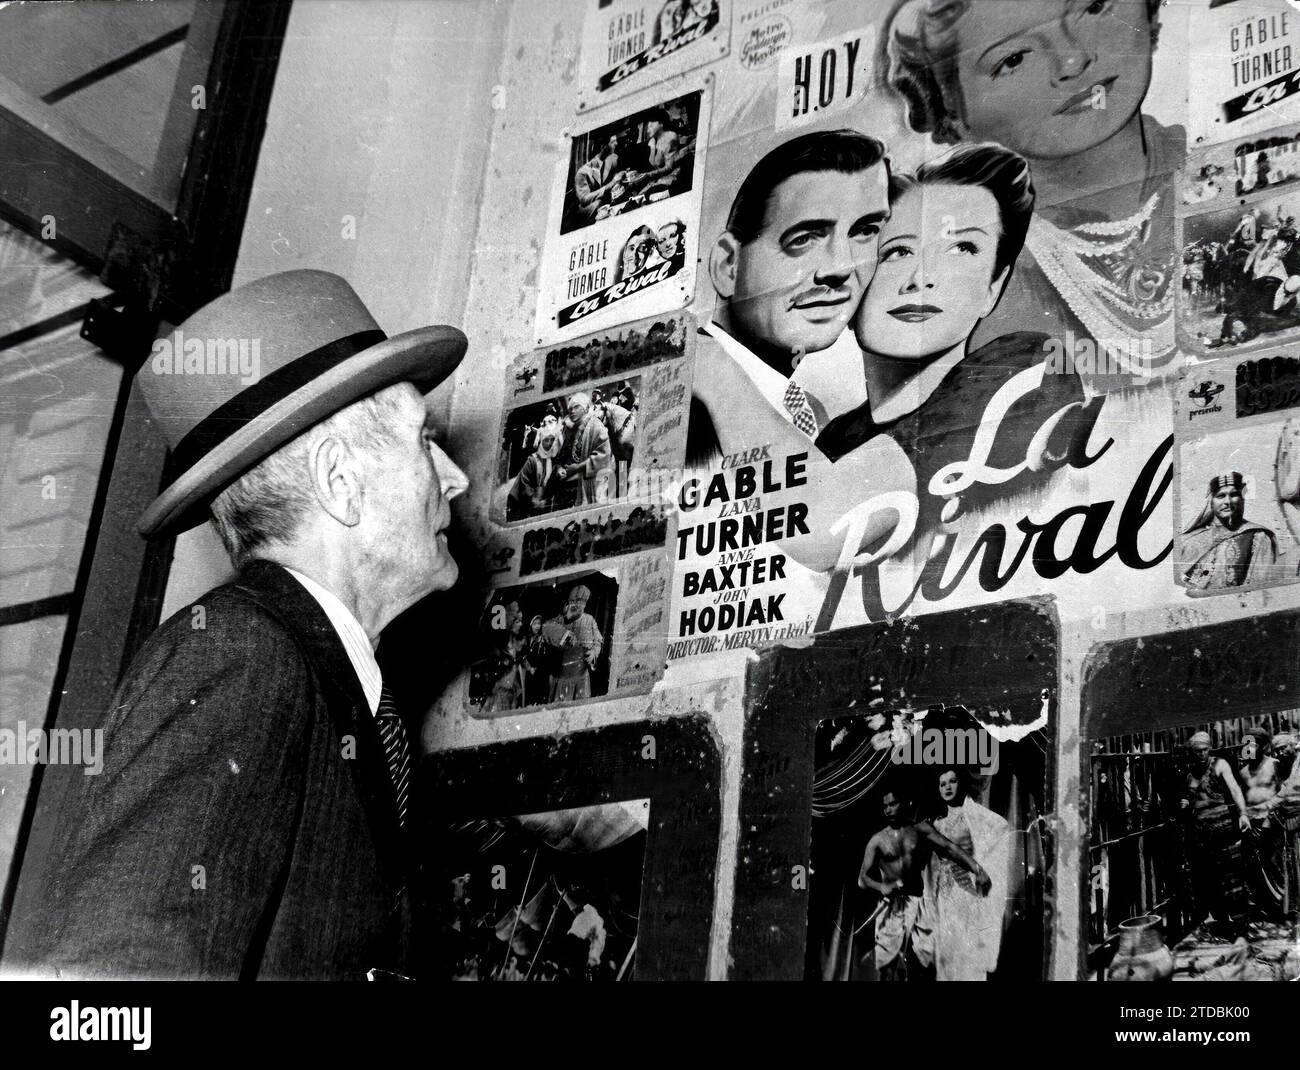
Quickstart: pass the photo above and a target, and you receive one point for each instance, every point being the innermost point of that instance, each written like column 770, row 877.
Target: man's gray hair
column 267, row 503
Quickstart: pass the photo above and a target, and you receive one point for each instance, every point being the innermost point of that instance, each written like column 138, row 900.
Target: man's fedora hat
column 260, row 365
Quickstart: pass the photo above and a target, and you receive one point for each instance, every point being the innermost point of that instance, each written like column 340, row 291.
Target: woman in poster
column 967, row 926
column 945, row 255
column 1061, row 82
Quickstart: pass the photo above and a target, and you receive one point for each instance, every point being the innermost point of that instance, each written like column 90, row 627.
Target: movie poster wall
column 975, row 304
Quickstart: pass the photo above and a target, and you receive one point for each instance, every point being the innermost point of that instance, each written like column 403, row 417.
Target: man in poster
column 789, row 271
column 1221, row 548
column 586, row 455
column 531, row 493
column 576, row 639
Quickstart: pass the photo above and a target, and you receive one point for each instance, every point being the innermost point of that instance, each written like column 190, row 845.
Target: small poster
column 624, row 223
column 631, row 44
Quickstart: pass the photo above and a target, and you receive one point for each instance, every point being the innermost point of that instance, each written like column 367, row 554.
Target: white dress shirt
column 355, row 641
column 770, row 382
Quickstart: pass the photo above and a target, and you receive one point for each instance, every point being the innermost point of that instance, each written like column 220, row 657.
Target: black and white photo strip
column 583, row 633
column 1240, row 255
column 571, row 451
column 549, row 642
column 552, row 896
column 929, row 855
column 1192, row 856
column 594, row 422
column 1237, row 429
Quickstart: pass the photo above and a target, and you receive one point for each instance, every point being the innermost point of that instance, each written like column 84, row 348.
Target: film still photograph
column 1193, row 854
column 929, row 858
column 1239, row 508
column 614, row 352
column 569, row 451
column 548, row 642
column 639, row 159
column 1241, row 272
column 550, row 896
column 1270, row 161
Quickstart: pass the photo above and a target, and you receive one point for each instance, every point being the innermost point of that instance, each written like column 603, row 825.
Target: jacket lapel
column 285, row 598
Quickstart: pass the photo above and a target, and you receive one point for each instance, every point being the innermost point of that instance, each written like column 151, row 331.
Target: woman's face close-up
column 934, row 275
column 949, row 787
column 1052, row 78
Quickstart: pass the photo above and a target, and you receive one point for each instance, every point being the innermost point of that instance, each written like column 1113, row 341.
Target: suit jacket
column 244, row 824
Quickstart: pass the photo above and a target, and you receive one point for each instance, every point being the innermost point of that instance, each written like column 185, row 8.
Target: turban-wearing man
column 533, row 491
column 1221, row 548
column 576, row 637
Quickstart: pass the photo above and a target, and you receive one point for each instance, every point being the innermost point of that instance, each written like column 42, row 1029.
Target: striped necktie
column 796, row 402
column 397, row 749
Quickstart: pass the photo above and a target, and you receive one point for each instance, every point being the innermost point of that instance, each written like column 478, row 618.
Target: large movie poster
column 936, row 298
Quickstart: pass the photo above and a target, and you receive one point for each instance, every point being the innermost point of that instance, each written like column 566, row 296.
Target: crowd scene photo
column 613, row 353
column 569, row 451
column 1241, row 273
column 584, row 540
column 1195, row 833
column 548, row 642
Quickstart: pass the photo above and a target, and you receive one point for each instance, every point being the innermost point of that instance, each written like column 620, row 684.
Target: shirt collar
column 355, row 641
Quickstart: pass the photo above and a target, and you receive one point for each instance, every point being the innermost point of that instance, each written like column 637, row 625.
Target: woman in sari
column 968, row 926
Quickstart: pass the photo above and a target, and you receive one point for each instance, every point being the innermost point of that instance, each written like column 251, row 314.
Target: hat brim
column 423, row 357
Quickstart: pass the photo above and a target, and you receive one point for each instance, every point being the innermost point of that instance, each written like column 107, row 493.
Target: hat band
column 231, row 415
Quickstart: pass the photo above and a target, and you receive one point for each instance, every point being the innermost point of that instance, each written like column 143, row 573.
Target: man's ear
column 334, row 480
column 723, row 259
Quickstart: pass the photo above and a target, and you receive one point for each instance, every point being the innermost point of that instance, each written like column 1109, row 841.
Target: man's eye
column 799, row 242
column 1096, row 7
column 866, row 232
column 1009, row 64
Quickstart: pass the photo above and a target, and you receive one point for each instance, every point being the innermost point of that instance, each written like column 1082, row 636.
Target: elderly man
column 255, row 816
column 586, row 458
column 1221, row 548
column 575, row 637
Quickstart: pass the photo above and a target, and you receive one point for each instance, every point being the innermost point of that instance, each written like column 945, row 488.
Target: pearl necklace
column 1105, row 308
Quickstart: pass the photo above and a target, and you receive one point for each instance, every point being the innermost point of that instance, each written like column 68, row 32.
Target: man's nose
column 837, row 263
column 453, row 480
